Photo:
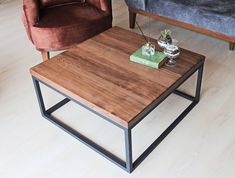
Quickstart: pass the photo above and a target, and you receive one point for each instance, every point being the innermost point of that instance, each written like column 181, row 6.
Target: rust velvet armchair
column 58, row 24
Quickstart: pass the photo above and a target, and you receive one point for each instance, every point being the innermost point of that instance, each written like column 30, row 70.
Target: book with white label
column 154, row 61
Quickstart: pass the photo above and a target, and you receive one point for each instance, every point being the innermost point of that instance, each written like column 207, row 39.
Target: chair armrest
column 104, row 5
column 31, row 11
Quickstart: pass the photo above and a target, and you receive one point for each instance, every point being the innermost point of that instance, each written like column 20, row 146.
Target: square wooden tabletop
column 99, row 74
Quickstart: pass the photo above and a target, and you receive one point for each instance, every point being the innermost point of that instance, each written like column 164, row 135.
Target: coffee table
column 98, row 75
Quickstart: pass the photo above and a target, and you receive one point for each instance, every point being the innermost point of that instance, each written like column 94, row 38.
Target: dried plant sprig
column 142, row 32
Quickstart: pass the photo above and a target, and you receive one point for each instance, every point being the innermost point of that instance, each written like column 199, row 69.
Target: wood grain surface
column 98, row 73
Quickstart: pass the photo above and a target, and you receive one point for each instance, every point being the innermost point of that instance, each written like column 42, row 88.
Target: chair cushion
column 137, row 4
column 218, row 16
column 67, row 25
column 50, row 3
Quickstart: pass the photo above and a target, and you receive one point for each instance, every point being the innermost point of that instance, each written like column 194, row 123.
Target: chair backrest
column 50, row 3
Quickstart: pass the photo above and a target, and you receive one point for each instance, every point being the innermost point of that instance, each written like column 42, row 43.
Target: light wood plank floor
column 202, row 146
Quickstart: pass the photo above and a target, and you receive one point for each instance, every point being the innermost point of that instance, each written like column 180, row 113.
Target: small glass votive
column 172, row 52
column 148, row 49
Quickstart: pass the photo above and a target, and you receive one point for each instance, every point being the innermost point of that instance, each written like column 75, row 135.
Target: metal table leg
column 127, row 165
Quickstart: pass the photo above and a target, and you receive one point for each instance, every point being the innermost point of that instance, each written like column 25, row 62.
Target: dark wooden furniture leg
column 132, row 19
column 45, row 55
column 231, row 46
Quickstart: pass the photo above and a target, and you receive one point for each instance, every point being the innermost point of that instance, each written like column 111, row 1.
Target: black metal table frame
column 127, row 165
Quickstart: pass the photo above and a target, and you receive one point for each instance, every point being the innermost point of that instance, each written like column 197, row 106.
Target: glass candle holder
column 172, row 52
column 148, row 49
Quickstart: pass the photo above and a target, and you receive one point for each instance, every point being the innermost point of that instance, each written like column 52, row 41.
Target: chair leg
column 231, row 46
column 45, row 55
column 132, row 19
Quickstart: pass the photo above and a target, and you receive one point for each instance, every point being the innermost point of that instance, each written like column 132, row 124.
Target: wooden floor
column 202, row 146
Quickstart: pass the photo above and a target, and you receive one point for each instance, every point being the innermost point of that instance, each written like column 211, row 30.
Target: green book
column 155, row 61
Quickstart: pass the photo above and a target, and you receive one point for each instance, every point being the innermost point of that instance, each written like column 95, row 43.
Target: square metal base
column 128, row 164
